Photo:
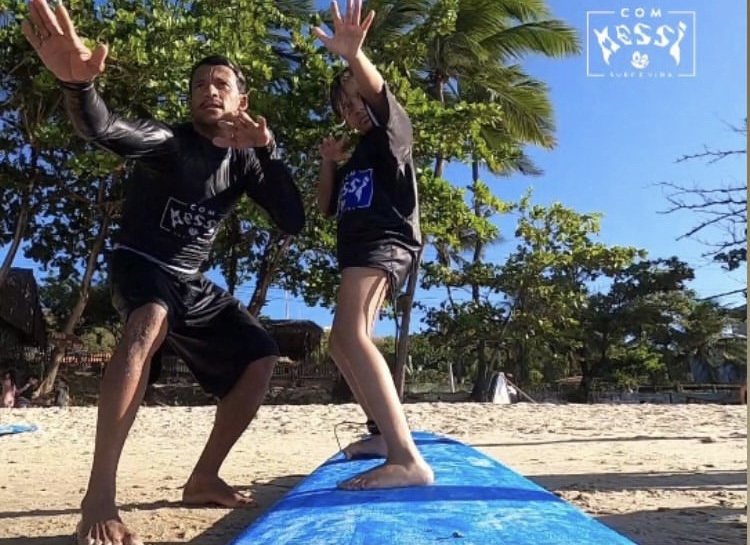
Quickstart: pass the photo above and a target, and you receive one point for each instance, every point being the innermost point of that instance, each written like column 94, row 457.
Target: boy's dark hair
column 337, row 91
column 220, row 60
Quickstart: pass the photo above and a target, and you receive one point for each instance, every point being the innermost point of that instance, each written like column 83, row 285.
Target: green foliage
column 456, row 67
column 540, row 316
column 99, row 319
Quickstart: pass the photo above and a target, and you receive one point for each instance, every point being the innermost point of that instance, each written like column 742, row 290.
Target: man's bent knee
column 263, row 368
column 145, row 329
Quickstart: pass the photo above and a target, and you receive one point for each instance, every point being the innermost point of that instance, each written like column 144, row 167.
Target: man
column 186, row 179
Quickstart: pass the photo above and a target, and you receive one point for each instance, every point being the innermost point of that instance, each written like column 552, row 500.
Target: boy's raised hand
column 349, row 31
column 334, row 150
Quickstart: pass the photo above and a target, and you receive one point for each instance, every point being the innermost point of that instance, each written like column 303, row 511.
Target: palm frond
column 551, row 38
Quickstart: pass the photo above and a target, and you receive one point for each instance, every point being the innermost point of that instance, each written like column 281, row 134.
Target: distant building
column 22, row 324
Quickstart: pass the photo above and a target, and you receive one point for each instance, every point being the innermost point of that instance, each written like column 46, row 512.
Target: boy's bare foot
column 372, row 446
column 104, row 530
column 201, row 490
column 392, row 475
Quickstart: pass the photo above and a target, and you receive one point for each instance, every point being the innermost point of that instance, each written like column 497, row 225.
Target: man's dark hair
column 220, row 60
column 337, row 91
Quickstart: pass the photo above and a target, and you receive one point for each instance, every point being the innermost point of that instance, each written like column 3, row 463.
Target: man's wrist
column 76, row 85
column 267, row 150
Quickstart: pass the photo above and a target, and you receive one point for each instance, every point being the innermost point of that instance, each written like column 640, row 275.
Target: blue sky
column 618, row 137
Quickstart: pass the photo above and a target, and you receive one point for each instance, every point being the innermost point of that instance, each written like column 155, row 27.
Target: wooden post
column 524, row 394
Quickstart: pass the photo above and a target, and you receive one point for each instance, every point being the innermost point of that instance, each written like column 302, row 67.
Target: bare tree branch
column 725, row 294
column 717, row 155
column 719, row 208
column 713, row 155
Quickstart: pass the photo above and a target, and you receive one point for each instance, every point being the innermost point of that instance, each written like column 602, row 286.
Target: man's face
column 353, row 106
column 214, row 94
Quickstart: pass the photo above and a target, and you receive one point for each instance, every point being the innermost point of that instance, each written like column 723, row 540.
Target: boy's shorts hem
column 396, row 261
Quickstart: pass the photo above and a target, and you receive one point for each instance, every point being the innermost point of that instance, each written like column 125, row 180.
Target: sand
column 659, row 474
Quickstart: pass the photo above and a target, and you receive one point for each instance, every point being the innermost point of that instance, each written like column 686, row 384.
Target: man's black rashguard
column 181, row 188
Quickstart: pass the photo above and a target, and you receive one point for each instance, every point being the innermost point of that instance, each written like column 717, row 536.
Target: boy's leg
column 374, row 445
column 404, row 465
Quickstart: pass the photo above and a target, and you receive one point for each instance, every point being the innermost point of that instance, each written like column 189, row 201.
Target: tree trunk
column 588, row 370
column 267, row 272
column 21, row 222
column 478, row 244
column 484, row 375
column 585, row 386
column 48, row 384
column 18, row 234
column 402, row 349
column 483, row 379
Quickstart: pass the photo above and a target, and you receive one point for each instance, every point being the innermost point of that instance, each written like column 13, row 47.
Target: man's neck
column 209, row 132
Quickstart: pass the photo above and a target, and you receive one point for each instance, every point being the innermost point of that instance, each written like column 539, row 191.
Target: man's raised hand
column 242, row 131
column 54, row 38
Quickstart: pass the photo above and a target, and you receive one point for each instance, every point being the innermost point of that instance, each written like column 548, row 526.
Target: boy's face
column 214, row 94
column 353, row 106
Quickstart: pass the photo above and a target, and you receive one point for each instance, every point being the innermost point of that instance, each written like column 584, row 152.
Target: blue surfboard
column 475, row 501
column 10, row 429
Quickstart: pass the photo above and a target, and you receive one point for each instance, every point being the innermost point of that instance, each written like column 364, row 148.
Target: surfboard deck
column 10, row 429
column 475, row 501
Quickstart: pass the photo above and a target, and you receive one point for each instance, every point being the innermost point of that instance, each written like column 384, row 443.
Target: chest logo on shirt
column 189, row 220
column 356, row 191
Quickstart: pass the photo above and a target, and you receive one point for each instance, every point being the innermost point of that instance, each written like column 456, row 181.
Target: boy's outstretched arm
column 349, row 32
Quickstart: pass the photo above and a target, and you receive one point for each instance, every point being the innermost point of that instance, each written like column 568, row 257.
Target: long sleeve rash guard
column 181, row 186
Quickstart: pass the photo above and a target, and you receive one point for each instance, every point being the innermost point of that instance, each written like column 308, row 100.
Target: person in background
column 10, row 388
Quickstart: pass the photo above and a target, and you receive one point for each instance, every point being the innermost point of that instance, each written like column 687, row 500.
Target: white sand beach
column 659, row 474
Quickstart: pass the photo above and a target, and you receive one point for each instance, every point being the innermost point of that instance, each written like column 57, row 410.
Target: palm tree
column 470, row 63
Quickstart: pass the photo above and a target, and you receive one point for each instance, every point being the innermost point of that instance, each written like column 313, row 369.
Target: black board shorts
column 396, row 260
column 212, row 332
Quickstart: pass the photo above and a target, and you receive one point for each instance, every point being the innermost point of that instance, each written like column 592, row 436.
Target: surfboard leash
column 342, row 423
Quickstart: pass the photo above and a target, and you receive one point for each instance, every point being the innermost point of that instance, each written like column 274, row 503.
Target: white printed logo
column 640, row 43
column 189, row 220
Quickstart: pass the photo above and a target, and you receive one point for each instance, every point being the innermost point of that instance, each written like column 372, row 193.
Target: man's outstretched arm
column 53, row 36
column 93, row 121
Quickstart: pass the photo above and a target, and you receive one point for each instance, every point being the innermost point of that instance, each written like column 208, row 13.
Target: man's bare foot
column 201, row 490
column 392, row 475
column 105, row 531
column 370, row 447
